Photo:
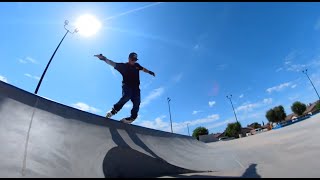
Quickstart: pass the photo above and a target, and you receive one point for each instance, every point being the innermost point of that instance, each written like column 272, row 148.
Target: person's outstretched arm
column 108, row 61
column 147, row 71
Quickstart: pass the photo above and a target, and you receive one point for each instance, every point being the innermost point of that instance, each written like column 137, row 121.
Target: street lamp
column 66, row 22
column 229, row 97
column 306, row 73
column 168, row 99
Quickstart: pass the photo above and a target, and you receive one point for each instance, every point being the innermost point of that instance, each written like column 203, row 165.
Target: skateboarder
column 130, row 85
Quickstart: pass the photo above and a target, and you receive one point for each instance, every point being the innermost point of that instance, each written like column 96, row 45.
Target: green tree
column 271, row 116
column 200, row 131
column 298, row 108
column 280, row 113
column 276, row 114
column 318, row 105
column 233, row 129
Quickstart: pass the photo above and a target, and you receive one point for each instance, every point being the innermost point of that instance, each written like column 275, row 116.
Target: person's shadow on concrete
column 251, row 172
column 124, row 162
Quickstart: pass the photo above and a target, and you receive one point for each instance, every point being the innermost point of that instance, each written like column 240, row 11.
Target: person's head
column 133, row 57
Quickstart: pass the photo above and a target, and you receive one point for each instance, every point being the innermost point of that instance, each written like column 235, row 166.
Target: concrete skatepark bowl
column 42, row 138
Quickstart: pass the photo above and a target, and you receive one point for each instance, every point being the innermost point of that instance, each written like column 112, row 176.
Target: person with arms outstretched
column 130, row 85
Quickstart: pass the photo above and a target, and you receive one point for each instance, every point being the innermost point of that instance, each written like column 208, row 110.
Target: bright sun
column 88, row 25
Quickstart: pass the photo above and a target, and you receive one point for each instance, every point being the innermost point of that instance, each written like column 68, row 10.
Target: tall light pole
column 188, row 128
column 168, row 99
column 66, row 22
column 229, row 97
column 306, row 73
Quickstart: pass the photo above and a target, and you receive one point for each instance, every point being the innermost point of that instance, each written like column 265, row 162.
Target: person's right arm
column 108, row 61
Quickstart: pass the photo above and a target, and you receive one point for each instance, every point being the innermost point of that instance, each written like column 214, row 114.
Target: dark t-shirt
column 130, row 73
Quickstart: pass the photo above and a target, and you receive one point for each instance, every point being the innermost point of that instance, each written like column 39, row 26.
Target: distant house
column 218, row 135
column 211, row 137
column 246, row 130
column 267, row 126
column 253, row 125
column 312, row 108
column 291, row 117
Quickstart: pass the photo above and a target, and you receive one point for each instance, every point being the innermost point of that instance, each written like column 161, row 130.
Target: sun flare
column 88, row 25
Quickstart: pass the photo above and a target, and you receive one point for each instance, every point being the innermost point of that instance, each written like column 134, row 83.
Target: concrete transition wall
column 42, row 138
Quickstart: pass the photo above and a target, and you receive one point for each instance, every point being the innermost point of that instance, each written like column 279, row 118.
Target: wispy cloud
column 128, row 105
column 158, row 123
column 132, row 11
column 28, row 60
column 290, row 65
column 113, row 71
column 257, row 115
column 22, row 61
column 296, row 67
column 294, row 86
column 294, row 97
column 196, row 112
column 292, row 55
column 211, row 103
column 152, row 95
column 84, row 107
column 279, row 69
column 4, row 79
column 145, row 85
column 218, row 124
column 31, row 76
column 267, row 101
column 287, row 62
column 246, row 107
column 164, row 125
column 241, row 96
column 279, row 87
column 178, row 77
column 197, row 46
column 195, row 122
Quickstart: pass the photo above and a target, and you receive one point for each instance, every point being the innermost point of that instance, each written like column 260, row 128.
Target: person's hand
column 152, row 73
column 101, row 57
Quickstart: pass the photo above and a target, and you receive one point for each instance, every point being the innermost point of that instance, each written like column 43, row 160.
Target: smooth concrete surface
column 42, row 138
column 289, row 152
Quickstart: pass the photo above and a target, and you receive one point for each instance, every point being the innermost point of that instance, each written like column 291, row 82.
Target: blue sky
column 200, row 53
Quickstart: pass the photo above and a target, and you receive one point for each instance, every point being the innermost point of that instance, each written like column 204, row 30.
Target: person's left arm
column 146, row 70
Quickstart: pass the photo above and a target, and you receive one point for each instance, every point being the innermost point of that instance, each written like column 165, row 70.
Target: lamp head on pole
column 229, row 97
column 305, row 71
